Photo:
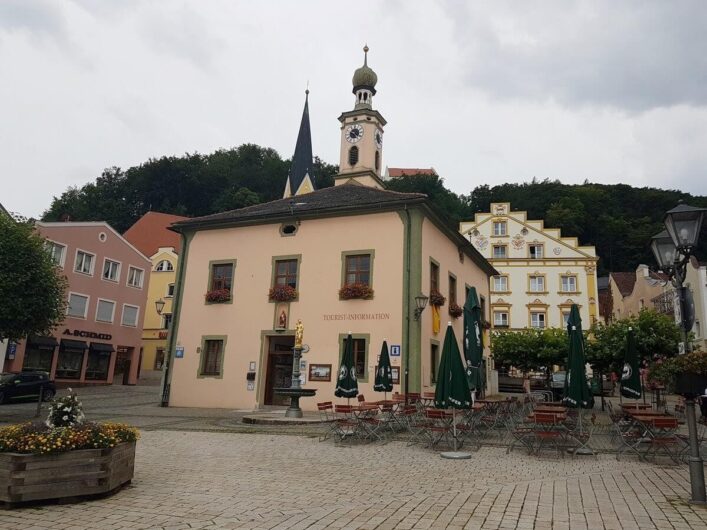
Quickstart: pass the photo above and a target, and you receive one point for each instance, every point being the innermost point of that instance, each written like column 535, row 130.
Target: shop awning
column 43, row 342
column 101, row 347
column 69, row 344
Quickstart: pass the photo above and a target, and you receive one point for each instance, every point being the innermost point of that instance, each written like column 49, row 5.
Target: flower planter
column 81, row 473
column 690, row 384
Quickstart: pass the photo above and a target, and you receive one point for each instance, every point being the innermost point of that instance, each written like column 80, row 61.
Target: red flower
column 218, row 296
column 356, row 290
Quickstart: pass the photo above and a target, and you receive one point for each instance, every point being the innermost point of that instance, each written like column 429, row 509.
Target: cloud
column 39, row 18
column 632, row 56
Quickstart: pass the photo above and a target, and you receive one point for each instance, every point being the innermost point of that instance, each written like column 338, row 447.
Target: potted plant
column 218, row 296
column 352, row 291
column 455, row 311
column 282, row 293
column 688, row 373
column 65, row 456
column 436, row 299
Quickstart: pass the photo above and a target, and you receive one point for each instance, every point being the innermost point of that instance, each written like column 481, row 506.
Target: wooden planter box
column 71, row 474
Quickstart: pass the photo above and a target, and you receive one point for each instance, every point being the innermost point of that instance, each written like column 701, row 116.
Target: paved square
column 233, row 480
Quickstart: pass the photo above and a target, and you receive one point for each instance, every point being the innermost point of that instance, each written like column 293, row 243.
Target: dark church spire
column 301, row 179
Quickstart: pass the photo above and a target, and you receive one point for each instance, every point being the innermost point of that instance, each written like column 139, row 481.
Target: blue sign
column 179, row 353
column 11, row 349
column 395, row 350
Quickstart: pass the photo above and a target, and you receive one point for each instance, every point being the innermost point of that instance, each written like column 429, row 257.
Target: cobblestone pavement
column 233, row 480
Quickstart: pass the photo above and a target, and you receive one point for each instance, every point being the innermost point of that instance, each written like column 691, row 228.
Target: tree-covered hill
column 618, row 219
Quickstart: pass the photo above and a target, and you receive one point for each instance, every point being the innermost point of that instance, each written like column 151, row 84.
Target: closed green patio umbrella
column 473, row 341
column 452, row 390
column 577, row 391
column 384, row 373
column 347, row 383
column 631, row 376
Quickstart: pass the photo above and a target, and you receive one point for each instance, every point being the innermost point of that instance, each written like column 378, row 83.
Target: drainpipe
column 407, row 302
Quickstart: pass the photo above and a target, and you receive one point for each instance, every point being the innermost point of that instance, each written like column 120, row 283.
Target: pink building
column 99, row 342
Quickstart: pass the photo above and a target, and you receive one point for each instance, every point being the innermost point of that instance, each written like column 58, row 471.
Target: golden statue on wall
column 299, row 333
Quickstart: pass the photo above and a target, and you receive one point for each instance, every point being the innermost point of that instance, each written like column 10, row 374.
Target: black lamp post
column 672, row 249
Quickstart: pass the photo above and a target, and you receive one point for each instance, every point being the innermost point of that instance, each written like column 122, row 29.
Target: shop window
column 537, row 284
column 130, row 313
column 111, row 270
column 105, row 309
column 38, row 358
column 78, row 305
column 221, row 276
column 164, row 266
column 536, row 251
column 135, row 277
column 434, row 362
column 70, row 360
column 500, row 284
column 452, row 290
column 500, row 251
column 84, row 262
column 57, row 253
column 358, row 269
column 212, row 357
column 569, row 284
column 537, row 319
column 286, row 272
column 159, row 358
column 98, row 362
column 499, row 228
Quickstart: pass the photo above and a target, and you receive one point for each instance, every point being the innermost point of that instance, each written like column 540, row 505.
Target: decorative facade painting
column 517, row 242
column 481, row 242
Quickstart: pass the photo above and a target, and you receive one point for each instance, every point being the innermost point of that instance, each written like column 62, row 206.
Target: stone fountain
column 295, row 390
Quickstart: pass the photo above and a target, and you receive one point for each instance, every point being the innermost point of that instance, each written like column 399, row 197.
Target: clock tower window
column 377, row 160
column 353, row 156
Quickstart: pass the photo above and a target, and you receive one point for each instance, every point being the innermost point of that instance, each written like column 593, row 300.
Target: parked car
column 26, row 385
column 557, row 383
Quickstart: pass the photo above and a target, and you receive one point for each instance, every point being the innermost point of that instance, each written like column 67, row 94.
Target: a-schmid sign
column 88, row 334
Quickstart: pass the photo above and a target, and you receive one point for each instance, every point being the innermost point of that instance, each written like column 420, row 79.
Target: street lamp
column 420, row 304
column 159, row 306
column 672, row 249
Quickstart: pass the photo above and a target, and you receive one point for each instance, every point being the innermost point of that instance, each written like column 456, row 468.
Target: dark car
column 26, row 385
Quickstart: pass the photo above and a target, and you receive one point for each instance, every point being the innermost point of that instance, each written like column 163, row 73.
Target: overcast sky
column 485, row 93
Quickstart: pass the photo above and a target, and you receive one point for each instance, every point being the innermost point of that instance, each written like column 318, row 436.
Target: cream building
column 350, row 258
column 633, row 291
column 541, row 273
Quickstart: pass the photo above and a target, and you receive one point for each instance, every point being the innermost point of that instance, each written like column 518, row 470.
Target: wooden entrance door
column 279, row 375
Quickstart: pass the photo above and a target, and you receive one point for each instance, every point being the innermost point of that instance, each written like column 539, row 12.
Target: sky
column 484, row 92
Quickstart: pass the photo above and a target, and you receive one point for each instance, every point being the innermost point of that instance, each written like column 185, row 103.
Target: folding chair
column 326, row 415
column 547, row 430
column 439, row 427
column 345, row 425
column 663, row 437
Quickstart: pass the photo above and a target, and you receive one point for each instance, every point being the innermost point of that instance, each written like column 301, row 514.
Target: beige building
column 541, row 273
column 632, row 291
column 350, row 258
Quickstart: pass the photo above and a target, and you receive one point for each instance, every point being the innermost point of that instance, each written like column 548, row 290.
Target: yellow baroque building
column 541, row 273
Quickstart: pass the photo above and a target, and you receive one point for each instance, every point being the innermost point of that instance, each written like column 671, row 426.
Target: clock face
column 354, row 133
column 379, row 139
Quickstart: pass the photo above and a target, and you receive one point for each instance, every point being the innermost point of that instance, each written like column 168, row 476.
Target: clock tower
column 362, row 133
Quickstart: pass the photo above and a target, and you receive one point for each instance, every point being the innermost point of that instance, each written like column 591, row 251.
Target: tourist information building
column 349, row 258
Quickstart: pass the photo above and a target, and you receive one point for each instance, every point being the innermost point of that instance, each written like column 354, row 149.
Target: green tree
column 530, row 349
column 31, row 289
column 236, row 198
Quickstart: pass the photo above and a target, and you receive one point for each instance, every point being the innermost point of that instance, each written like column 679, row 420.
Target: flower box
column 455, row 311
column 436, row 299
column 78, row 473
column 218, row 296
column 282, row 293
column 352, row 291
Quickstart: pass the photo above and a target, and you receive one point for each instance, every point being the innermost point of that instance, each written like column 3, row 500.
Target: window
column 164, row 266
column 159, row 358
column 84, row 262
column 166, row 320
column 359, row 354
column 130, row 313
column 221, row 276
column 105, row 310
column 135, row 277
column 500, row 284
column 111, row 270
column 434, row 362
column 70, row 359
column 697, row 330
column 286, row 272
column 500, row 251
column 358, row 269
column 537, row 284
column 536, row 251
column 377, row 160
column 500, row 319
column 170, row 290
column 212, row 357
column 98, row 361
column 569, row 284
column 537, row 319
column 641, row 304
column 78, row 305
column 499, row 228
column 353, row 156
column 452, row 290
column 434, row 277
column 57, row 252
column 38, row 357
column 565, row 318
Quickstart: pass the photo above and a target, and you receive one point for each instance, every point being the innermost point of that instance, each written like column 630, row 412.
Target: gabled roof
column 302, row 159
column 624, row 281
column 409, row 171
column 150, row 232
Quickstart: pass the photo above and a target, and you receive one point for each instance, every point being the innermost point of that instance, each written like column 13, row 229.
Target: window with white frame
column 57, row 252
column 537, row 284
column 499, row 228
column 537, row 319
column 111, row 270
column 536, row 251
column 164, row 266
column 135, row 276
column 500, row 251
column 565, row 318
column 84, row 262
column 78, row 305
column 170, row 290
column 130, row 313
column 569, row 284
column 500, row 284
column 500, row 319
column 105, row 310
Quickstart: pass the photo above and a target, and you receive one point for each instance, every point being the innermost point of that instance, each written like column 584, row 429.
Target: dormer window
column 164, row 266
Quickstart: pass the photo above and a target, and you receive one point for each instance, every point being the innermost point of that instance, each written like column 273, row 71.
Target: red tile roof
column 149, row 233
column 402, row 171
column 624, row 281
